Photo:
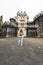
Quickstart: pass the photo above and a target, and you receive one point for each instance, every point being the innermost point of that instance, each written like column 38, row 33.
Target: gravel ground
column 12, row 54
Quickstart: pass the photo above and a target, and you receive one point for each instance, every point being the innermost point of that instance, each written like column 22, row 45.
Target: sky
column 9, row 8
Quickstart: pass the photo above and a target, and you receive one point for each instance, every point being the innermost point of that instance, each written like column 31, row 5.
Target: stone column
column 7, row 35
column 38, row 32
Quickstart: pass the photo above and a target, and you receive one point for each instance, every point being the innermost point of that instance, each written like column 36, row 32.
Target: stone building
column 21, row 24
column 30, row 29
column 21, row 19
column 9, row 28
column 38, row 21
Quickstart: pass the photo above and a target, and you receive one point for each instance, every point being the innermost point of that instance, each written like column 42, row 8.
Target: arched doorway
column 22, row 30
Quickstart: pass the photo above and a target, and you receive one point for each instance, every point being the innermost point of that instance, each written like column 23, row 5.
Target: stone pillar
column 7, row 35
column 38, row 32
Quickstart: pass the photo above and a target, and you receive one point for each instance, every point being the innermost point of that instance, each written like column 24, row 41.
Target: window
column 22, row 24
column 22, row 20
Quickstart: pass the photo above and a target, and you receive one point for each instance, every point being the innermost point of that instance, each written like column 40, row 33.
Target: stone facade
column 21, row 24
column 21, row 19
column 39, row 21
column 9, row 29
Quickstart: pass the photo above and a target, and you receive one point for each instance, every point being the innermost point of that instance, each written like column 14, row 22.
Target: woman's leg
column 21, row 41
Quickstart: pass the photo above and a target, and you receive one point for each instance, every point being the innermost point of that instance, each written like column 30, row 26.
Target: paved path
column 28, row 54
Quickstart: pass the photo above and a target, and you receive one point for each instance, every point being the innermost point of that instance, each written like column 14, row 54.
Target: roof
column 30, row 22
column 12, row 19
column 38, row 15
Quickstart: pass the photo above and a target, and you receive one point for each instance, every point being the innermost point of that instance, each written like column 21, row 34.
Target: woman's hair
column 21, row 31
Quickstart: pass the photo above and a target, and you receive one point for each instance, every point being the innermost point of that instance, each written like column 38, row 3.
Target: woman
column 20, row 39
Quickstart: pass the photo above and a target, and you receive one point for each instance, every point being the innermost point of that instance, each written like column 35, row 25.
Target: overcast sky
column 9, row 8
